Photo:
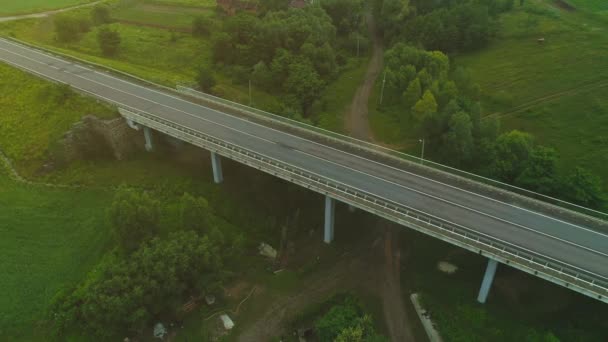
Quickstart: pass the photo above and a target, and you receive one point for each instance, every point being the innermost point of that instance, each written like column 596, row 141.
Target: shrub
column 109, row 41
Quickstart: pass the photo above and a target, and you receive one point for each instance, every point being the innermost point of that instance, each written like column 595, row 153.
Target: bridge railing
column 549, row 268
column 325, row 135
column 381, row 151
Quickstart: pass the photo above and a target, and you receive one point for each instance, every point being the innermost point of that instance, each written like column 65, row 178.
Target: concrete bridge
column 554, row 243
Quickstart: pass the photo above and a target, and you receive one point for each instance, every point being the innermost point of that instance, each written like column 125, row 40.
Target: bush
column 100, row 15
column 201, row 26
column 109, row 41
column 205, row 79
column 69, row 29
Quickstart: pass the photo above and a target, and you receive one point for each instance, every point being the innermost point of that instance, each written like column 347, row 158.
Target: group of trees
column 288, row 52
column 448, row 25
column 347, row 322
column 69, row 29
column 443, row 106
column 165, row 254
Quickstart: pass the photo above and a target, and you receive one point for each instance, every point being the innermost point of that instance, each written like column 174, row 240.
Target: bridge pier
column 216, row 165
column 488, row 278
column 330, row 209
column 148, row 136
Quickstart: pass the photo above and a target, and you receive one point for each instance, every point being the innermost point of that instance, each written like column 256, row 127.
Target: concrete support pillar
column 488, row 278
column 216, row 164
column 148, row 137
column 330, row 209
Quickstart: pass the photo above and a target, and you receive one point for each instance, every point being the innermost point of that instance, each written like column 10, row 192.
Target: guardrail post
column 216, row 165
column 148, row 136
column 330, row 208
column 488, row 278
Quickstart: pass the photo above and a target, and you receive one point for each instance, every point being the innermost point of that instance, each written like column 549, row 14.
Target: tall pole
column 250, row 100
column 422, row 153
column 382, row 90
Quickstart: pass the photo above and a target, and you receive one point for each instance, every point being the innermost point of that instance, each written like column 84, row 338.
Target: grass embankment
column 35, row 114
column 558, row 91
column 12, row 7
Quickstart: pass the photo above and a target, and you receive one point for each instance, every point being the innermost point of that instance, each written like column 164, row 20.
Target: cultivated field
column 12, row 7
column 50, row 240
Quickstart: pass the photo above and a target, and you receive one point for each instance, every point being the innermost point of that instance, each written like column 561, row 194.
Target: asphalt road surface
column 575, row 245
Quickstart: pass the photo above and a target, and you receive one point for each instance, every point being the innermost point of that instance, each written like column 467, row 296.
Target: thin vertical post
column 216, row 165
column 148, row 136
column 330, row 208
column 488, row 278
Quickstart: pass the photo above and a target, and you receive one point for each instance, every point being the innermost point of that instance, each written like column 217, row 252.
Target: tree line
column 440, row 102
column 289, row 52
column 167, row 251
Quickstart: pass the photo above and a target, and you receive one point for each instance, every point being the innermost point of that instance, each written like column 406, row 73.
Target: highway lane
column 557, row 239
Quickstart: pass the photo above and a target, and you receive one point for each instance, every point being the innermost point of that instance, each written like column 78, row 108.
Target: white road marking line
column 325, row 146
column 459, row 205
column 116, row 102
column 306, row 140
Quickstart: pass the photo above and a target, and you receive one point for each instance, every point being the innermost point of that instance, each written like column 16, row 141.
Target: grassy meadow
column 558, row 90
column 12, row 7
column 50, row 239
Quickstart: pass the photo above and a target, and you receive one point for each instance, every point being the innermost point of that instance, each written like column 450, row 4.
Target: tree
column 459, row 139
column 194, row 213
column 425, row 107
column 512, row 152
column 109, row 41
column 413, row 93
column 205, row 79
column 134, row 216
column 100, row 14
column 583, row 188
column 303, row 83
column 67, row 28
column 539, row 173
column 201, row 26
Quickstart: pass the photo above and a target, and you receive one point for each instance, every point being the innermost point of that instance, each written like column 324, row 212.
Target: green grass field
column 12, row 7
column 163, row 16
column 591, row 5
column 557, row 91
column 50, row 239
column 34, row 116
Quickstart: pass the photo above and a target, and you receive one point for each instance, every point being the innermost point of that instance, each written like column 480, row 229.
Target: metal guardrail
column 388, row 152
column 556, row 271
column 561, row 273
column 181, row 89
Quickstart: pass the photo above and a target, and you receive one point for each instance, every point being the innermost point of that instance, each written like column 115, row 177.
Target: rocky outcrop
column 93, row 138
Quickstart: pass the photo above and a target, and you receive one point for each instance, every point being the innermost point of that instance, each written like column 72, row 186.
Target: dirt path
column 46, row 13
column 357, row 121
column 373, row 268
column 395, row 315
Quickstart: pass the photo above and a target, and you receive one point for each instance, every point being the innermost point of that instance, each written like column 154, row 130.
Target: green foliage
column 100, row 14
column 346, row 322
column 205, row 79
column 425, row 108
column 201, row 26
column 512, row 152
column 109, row 41
column 69, row 28
column 194, row 214
column 583, row 188
column 303, row 84
column 346, row 15
column 134, row 216
column 123, row 296
column 459, row 139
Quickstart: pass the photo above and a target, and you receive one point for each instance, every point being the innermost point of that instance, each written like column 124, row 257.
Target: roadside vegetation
column 427, row 96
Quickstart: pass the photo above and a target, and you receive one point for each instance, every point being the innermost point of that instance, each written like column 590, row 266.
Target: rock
column 210, row 299
column 228, row 323
column 159, row 331
column 267, row 250
column 446, row 267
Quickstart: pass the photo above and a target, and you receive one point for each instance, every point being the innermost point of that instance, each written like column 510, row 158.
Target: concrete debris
column 228, row 323
column 267, row 250
column 210, row 299
column 160, row 331
column 447, row 267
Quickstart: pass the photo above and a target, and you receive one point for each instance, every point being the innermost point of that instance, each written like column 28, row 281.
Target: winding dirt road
column 357, row 121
